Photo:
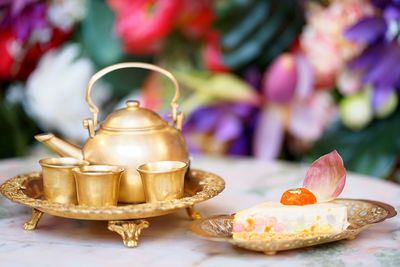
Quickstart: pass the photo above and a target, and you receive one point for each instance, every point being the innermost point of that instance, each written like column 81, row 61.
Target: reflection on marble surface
column 168, row 241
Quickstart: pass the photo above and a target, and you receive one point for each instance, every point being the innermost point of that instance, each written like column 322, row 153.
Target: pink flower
column 292, row 106
column 289, row 76
column 349, row 82
column 281, row 79
column 142, row 24
column 310, row 116
column 322, row 39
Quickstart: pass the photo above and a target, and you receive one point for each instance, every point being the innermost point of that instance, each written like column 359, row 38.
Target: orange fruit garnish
column 299, row 196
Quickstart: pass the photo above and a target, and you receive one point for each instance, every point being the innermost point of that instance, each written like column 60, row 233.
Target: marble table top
column 169, row 242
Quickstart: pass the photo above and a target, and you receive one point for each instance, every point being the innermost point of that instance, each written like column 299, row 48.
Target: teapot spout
column 61, row 147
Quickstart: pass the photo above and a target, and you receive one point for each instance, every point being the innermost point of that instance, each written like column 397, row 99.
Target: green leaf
column 372, row 151
column 126, row 81
column 20, row 130
column 227, row 10
column 284, row 39
column 239, row 32
column 253, row 45
column 97, row 36
column 265, row 29
column 99, row 42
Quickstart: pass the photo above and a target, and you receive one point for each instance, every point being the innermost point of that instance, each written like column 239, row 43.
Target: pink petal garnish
column 326, row 177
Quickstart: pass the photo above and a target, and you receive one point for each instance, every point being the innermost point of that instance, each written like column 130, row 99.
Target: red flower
column 142, row 24
column 196, row 18
column 33, row 54
column 18, row 64
column 212, row 53
column 6, row 62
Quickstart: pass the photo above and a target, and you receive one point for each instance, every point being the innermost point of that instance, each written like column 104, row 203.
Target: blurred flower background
column 280, row 79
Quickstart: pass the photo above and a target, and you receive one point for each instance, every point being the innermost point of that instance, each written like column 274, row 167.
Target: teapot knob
column 132, row 104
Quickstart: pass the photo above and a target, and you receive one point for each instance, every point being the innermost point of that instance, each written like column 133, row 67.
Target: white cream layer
column 273, row 217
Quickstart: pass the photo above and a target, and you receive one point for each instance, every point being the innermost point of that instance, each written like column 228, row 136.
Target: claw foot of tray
column 33, row 222
column 128, row 230
column 194, row 215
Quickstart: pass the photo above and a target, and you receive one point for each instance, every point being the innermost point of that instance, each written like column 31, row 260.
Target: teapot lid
column 133, row 117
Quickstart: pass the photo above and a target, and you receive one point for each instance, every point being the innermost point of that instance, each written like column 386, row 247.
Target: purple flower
column 380, row 59
column 23, row 17
column 220, row 128
column 367, row 30
column 253, row 76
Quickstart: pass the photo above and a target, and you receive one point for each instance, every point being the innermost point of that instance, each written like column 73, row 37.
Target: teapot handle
column 177, row 118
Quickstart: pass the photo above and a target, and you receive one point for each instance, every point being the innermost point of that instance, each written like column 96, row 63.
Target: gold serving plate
column 27, row 190
column 361, row 214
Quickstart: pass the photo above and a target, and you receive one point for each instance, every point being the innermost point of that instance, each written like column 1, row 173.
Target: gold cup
column 58, row 180
column 162, row 180
column 98, row 185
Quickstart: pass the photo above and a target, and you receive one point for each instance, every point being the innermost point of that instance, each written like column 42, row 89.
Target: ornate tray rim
column 211, row 185
column 309, row 240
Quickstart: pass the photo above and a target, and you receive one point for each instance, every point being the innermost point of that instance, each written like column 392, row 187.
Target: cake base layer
column 274, row 219
column 276, row 236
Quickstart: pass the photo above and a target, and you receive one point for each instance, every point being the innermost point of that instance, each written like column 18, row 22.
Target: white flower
column 15, row 93
column 64, row 13
column 55, row 92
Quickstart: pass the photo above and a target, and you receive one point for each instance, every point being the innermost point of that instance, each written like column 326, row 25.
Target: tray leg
column 194, row 215
column 128, row 230
column 33, row 222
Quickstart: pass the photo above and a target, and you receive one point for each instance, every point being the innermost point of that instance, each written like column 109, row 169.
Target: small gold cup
column 163, row 180
column 98, row 185
column 58, row 180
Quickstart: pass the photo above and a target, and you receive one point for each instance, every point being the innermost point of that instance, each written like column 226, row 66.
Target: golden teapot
column 128, row 137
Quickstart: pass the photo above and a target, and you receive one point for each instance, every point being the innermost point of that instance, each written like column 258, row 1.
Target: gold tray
column 361, row 214
column 27, row 189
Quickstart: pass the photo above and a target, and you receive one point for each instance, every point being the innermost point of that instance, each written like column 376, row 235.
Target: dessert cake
column 301, row 211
